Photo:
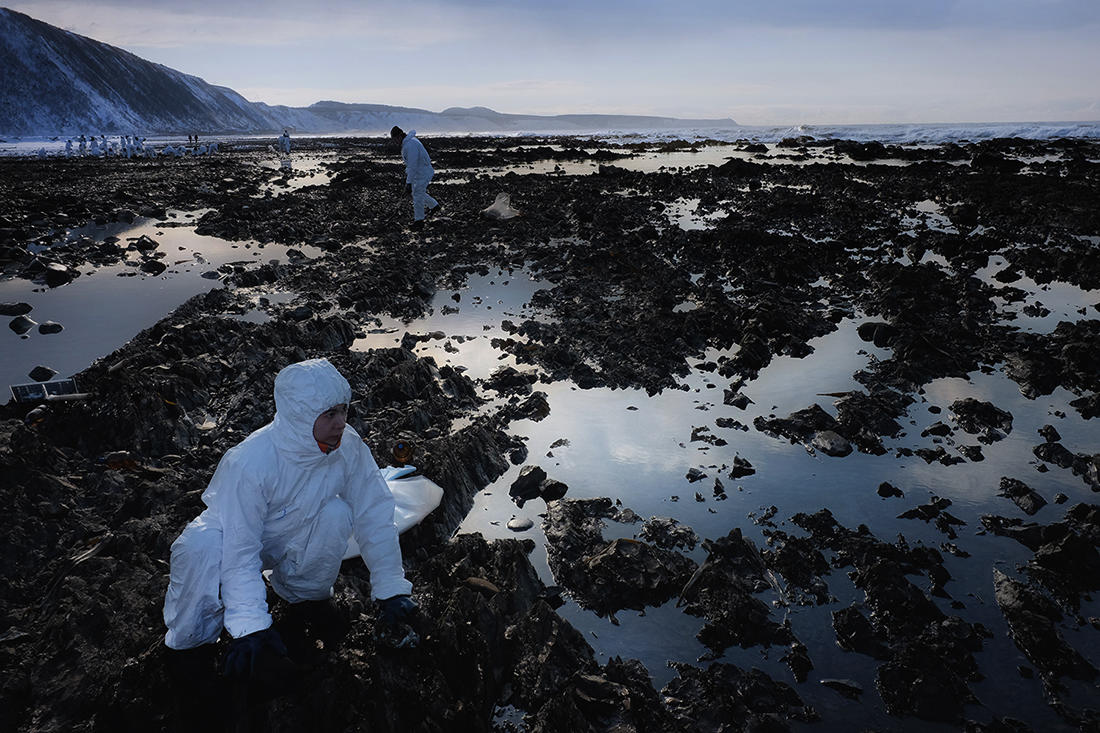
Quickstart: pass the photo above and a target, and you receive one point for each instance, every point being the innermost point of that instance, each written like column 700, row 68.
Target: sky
column 758, row 62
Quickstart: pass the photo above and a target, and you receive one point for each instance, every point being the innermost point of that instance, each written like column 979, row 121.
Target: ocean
column 899, row 134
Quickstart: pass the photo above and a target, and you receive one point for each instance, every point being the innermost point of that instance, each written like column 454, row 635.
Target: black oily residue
column 491, row 638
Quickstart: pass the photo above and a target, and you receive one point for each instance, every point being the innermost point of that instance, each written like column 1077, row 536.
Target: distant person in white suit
column 418, row 172
column 284, row 143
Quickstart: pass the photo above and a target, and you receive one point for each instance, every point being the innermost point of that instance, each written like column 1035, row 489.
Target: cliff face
column 57, row 82
column 53, row 82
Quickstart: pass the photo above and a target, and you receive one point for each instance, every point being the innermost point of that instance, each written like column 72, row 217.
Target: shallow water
column 636, row 449
column 106, row 306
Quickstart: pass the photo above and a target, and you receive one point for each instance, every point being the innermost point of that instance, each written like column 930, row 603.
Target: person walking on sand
column 284, row 143
column 285, row 500
column 418, row 172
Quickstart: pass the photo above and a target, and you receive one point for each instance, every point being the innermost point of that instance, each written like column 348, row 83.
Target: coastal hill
column 59, row 83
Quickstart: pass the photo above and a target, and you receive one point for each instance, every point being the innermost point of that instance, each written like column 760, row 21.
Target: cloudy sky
column 760, row 62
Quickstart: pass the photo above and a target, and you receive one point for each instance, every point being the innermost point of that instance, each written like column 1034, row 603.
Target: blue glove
column 398, row 610
column 240, row 660
column 396, row 632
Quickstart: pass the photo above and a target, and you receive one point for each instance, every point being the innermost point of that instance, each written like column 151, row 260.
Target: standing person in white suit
column 284, row 500
column 418, row 172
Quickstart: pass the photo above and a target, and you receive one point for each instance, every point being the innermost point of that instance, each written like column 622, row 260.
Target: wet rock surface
column 608, row 576
column 625, row 300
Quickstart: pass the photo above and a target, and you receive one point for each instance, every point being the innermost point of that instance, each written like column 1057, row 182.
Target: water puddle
column 108, row 305
column 459, row 330
column 295, row 173
column 683, row 213
column 1043, row 306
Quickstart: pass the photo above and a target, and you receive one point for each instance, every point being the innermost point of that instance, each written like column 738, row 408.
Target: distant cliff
column 53, row 82
column 56, row 82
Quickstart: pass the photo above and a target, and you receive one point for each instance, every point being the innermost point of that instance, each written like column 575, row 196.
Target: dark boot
column 199, row 693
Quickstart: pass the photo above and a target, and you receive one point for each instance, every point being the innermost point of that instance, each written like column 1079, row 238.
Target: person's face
column 329, row 425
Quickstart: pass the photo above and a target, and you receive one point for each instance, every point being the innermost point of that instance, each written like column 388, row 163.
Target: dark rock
column 854, row 633
column 1025, row 497
column 982, row 418
column 535, row 408
column 886, row 489
column 509, row 380
column 831, row 443
column 21, row 324
column 848, row 688
column 694, row 474
column 722, row 592
column 1049, row 434
column 57, row 274
column 1055, row 453
column 551, row 489
column 50, row 327
column 153, row 267
column 725, row 697
column 608, row 576
column 883, row 335
column 937, row 428
column 798, row 425
column 42, row 373
column 1088, row 406
column 145, row 244
column 1031, row 619
column 741, row 468
column 801, row 564
column 300, row 313
column 528, row 484
column 972, row 452
column 736, row 399
column 15, row 309
column 669, row 534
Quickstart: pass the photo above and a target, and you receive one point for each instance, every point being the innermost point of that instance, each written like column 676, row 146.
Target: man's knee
column 201, row 539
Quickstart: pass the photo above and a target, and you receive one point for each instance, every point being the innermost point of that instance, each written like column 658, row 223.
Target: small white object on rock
column 520, row 524
column 831, row 443
column 501, row 208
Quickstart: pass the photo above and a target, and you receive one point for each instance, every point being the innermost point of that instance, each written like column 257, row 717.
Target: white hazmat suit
column 278, row 503
column 418, row 173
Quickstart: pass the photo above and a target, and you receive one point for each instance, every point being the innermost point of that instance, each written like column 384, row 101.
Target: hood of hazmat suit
column 270, row 490
column 418, row 165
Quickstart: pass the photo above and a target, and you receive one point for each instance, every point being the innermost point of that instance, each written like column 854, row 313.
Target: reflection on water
column 107, row 306
column 295, row 173
column 637, row 449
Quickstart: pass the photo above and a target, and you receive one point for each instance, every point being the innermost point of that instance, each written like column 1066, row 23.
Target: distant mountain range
column 59, row 83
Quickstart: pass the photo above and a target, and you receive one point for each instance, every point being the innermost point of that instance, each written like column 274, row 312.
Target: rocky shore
column 799, row 237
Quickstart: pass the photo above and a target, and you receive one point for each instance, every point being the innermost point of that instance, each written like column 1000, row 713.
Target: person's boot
column 199, row 693
column 417, row 225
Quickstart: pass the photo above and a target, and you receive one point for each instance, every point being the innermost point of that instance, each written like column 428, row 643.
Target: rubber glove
column 240, row 660
column 398, row 610
column 395, row 631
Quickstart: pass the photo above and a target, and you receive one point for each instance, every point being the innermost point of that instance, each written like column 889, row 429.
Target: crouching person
column 284, row 500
